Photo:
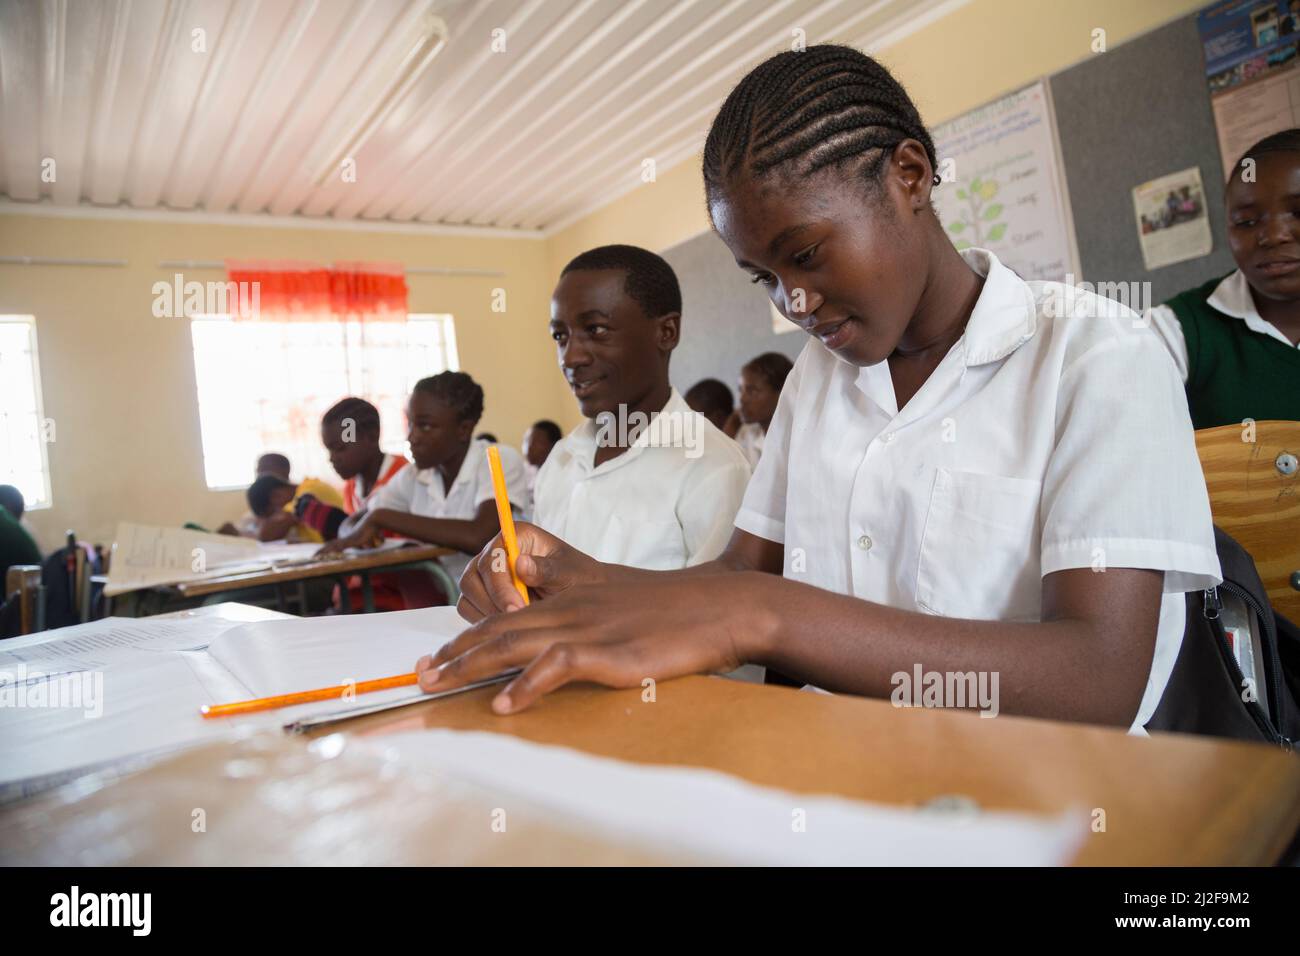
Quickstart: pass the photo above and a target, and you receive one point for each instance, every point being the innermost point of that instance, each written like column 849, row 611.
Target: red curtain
column 304, row 291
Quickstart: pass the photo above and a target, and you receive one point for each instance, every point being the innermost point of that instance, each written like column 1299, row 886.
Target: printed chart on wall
column 1003, row 189
column 1250, row 62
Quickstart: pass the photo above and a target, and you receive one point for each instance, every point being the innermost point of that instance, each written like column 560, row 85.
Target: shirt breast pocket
column 980, row 548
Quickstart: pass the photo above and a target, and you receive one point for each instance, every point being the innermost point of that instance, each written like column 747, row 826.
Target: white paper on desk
column 718, row 816
column 96, row 645
column 297, row 654
column 149, row 703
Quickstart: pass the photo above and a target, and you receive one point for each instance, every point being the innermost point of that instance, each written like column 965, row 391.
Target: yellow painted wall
column 120, row 383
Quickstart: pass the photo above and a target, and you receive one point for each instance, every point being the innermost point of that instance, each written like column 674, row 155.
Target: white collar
column 583, row 438
column 1004, row 318
column 1232, row 297
column 473, row 456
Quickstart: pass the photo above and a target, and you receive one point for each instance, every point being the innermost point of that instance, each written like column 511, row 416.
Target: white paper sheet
column 99, row 644
column 138, row 691
column 723, row 817
column 149, row 556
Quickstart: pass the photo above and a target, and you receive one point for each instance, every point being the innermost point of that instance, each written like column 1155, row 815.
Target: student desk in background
column 1167, row 800
column 210, row 589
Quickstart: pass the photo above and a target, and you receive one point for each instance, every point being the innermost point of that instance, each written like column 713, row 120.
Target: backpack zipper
column 1213, row 605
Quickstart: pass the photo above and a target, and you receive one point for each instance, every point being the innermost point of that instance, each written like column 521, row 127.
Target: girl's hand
column 546, row 565
column 617, row 634
column 366, row 536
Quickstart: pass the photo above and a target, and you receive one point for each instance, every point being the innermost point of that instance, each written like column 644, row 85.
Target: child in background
column 760, row 388
column 447, row 497
column 712, row 399
column 646, row 499
column 272, row 463
column 1236, row 340
column 540, row 438
column 350, row 433
column 310, row 511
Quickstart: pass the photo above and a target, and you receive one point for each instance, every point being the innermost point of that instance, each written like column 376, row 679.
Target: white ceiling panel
column 250, row 108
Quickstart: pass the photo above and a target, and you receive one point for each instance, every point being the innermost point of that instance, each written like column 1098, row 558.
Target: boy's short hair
column 549, row 429
column 773, row 366
column 259, row 493
column 271, row 460
column 11, row 499
column 363, row 414
column 458, row 390
column 487, row 437
column 650, row 283
column 709, row 395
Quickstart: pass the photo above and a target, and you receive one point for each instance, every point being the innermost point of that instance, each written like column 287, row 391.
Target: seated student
column 1236, row 340
column 272, row 463
column 956, row 479
column 310, row 511
column 16, row 544
column 349, row 430
column 540, row 438
column 760, row 387
column 713, row 400
column 350, row 433
column 645, row 481
column 11, row 499
column 447, row 498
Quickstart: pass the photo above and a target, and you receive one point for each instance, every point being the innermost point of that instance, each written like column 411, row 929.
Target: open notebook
column 91, row 695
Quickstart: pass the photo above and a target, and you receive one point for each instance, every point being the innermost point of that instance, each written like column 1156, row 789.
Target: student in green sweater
column 16, row 545
column 1236, row 340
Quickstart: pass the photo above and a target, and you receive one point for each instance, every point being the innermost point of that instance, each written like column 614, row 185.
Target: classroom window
column 24, row 429
column 263, row 386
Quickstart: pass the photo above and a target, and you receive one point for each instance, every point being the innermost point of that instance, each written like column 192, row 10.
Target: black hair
column 259, row 493
column 1285, row 141
column 549, row 429
column 364, row 415
column 275, row 459
column 650, row 283
column 487, row 437
column 11, row 499
column 773, row 366
column 457, row 389
column 799, row 112
column 709, row 395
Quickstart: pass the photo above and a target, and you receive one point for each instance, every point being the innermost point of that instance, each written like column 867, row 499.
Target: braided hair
column 364, row 415
column 457, row 389
column 799, row 112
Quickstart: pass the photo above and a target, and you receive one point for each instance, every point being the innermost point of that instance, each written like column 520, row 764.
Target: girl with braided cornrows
column 966, row 474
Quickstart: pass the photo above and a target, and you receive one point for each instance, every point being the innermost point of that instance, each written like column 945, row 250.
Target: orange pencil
column 305, row 696
column 505, row 518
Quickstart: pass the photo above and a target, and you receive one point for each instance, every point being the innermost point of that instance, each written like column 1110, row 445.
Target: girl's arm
column 1087, row 660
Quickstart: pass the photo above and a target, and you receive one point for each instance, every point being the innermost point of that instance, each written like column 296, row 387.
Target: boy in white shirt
column 447, row 497
column 644, row 481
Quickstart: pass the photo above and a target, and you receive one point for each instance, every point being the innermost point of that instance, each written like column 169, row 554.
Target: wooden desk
column 1167, row 800
column 340, row 568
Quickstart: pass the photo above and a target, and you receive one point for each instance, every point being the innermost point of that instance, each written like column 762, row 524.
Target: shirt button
column 888, row 437
column 864, row 543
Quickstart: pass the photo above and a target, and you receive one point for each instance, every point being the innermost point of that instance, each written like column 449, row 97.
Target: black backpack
column 1207, row 693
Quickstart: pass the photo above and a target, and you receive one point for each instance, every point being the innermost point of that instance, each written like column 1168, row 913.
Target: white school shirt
column 421, row 492
column 1231, row 297
column 750, row 439
column 658, row 505
column 1037, row 444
